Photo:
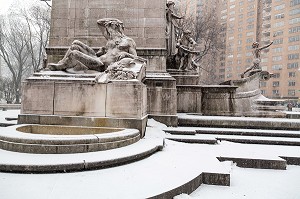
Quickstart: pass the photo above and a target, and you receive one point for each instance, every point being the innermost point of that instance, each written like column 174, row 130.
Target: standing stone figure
column 186, row 50
column 81, row 58
column 256, row 61
column 172, row 25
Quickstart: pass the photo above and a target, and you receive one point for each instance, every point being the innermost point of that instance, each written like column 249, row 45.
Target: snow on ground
column 245, row 183
column 8, row 113
column 255, row 184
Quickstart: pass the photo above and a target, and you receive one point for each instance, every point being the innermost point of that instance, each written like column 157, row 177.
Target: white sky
column 4, row 5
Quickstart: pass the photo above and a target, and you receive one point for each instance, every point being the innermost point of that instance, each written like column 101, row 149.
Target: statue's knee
column 76, row 42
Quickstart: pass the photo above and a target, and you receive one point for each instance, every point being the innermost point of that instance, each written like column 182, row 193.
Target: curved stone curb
column 79, row 162
column 14, row 140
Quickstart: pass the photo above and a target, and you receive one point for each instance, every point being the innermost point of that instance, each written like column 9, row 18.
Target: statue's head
column 111, row 27
column 170, row 3
column 255, row 45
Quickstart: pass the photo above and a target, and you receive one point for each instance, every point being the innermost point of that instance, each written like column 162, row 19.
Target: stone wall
column 144, row 22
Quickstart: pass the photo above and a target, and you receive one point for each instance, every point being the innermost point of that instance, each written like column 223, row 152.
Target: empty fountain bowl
column 55, row 139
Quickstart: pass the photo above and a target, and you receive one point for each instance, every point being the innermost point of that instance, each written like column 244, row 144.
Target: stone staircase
column 243, row 132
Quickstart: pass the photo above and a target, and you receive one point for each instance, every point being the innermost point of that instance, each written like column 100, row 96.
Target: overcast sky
column 5, row 4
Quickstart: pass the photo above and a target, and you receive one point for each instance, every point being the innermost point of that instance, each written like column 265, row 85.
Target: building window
column 263, row 84
column 294, row 29
column 250, row 33
column 295, row 11
column 279, row 7
column 251, row 13
column 275, row 92
column 294, row 38
column 293, row 56
column 232, row 6
column 295, row 2
column 279, row 16
column 250, row 27
column 263, row 92
column 292, row 83
column 276, row 67
column 277, row 50
column 264, row 60
column 248, row 60
column 248, row 54
column 248, row 47
column 293, row 65
column 295, row 20
column 277, row 58
column 276, row 84
column 276, row 75
column 249, row 40
column 292, row 74
column 291, row 92
column 278, row 33
column 278, row 41
column 251, row 7
column 279, row 24
column 295, row 47
column 249, row 20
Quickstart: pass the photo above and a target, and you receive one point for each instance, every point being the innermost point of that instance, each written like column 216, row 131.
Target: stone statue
column 172, row 25
column 256, row 61
column 118, row 53
column 186, row 50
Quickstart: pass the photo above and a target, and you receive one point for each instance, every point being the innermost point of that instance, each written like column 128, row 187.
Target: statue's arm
column 266, row 46
column 101, row 51
column 175, row 16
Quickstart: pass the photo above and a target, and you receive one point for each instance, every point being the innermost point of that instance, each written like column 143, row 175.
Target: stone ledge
column 81, row 163
column 256, row 163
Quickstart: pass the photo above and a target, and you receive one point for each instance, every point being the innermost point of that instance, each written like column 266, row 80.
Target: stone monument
column 145, row 23
column 96, row 89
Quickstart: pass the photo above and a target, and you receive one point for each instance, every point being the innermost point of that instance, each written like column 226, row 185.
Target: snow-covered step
column 231, row 131
column 238, row 122
column 249, row 132
column 49, row 163
column 156, row 176
column 202, row 138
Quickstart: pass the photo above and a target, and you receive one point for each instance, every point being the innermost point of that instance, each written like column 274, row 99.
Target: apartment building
column 187, row 8
column 246, row 21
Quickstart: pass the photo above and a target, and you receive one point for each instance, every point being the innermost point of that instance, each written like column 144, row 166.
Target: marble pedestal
column 60, row 98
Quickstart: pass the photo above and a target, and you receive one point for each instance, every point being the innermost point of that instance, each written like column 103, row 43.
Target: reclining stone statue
column 115, row 58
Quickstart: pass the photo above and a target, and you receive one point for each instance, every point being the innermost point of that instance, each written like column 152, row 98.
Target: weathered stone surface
column 82, row 96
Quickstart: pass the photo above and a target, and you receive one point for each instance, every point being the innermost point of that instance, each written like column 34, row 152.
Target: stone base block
column 169, row 120
column 162, row 97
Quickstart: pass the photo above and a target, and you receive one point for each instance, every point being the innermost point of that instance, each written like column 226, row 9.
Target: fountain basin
column 58, row 139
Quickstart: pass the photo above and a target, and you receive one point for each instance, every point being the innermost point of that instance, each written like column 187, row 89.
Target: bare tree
column 14, row 51
column 7, row 90
column 23, row 38
column 38, row 23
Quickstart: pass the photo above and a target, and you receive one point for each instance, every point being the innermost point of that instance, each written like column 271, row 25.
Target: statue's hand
column 123, row 55
column 101, row 51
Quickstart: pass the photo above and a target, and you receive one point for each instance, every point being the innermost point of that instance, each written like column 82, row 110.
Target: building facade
column 246, row 21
